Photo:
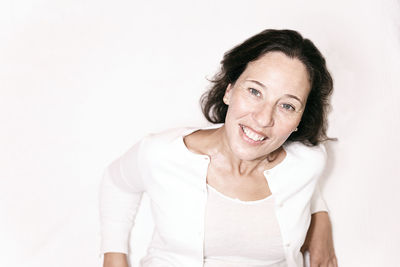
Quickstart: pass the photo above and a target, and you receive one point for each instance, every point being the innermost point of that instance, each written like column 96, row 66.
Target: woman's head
column 289, row 44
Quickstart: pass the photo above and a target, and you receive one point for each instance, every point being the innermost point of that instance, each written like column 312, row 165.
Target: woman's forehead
column 276, row 70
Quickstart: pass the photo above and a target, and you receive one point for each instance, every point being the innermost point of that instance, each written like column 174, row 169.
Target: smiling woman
column 242, row 192
column 267, row 102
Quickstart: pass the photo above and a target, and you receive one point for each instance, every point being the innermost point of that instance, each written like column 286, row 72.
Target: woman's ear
column 227, row 94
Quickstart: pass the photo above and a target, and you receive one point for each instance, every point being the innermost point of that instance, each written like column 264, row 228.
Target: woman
column 242, row 192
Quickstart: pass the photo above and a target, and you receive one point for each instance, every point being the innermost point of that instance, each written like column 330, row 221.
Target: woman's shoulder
column 172, row 134
column 167, row 135
column 167, row 140
column 312, row 156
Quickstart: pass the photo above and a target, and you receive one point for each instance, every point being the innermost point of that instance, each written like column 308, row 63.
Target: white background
column 81, row 81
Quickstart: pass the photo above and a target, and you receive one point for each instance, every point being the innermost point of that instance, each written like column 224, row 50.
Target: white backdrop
column 81, row 81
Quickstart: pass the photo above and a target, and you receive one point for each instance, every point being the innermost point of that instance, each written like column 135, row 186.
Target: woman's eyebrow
column 257, row 82
column 293, row 96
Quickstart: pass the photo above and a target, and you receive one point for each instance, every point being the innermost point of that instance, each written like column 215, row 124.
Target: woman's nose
column 264, row 115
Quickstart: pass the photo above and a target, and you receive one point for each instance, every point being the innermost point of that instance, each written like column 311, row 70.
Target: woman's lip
column 250, row 141
column 259, row 133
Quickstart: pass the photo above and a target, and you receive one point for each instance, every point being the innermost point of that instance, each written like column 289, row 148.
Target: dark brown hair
column 313, row 124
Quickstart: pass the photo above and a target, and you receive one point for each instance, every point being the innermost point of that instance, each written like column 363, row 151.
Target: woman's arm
column 121, row 191
column 118, row 208
column 115, row 260
column 319, row 241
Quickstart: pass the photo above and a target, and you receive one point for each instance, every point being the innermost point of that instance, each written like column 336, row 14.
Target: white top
column 241, row 233
column 174, row 178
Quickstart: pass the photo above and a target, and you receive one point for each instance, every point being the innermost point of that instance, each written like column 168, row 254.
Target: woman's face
column 265, row 105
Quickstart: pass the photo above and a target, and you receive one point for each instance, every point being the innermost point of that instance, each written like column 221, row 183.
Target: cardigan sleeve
column 121, row 191
column 317, row 202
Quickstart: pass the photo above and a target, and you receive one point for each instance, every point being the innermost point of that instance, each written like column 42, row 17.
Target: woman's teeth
column 252, row 135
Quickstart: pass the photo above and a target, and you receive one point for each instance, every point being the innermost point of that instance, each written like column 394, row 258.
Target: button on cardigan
column 174, row 179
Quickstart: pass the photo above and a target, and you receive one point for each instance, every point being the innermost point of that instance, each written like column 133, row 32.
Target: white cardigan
column 175, row 180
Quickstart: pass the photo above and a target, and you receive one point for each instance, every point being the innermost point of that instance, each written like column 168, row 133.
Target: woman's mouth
column 252, row 135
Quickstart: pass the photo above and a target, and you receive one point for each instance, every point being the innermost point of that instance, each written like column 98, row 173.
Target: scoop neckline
column 237, row 200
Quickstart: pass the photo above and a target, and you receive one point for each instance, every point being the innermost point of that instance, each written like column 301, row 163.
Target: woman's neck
column 214, row 142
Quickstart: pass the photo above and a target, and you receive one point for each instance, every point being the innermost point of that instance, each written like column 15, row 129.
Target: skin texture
column 115, row 260
column 269, row 97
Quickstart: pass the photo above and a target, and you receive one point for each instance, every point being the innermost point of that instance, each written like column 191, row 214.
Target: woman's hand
column 319, row 241
column 115, row 260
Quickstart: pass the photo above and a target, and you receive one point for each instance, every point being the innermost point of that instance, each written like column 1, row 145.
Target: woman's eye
column 288, row 107
column 254, row 92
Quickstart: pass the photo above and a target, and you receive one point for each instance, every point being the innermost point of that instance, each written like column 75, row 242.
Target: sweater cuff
column 318, row 204
column 115, row 238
